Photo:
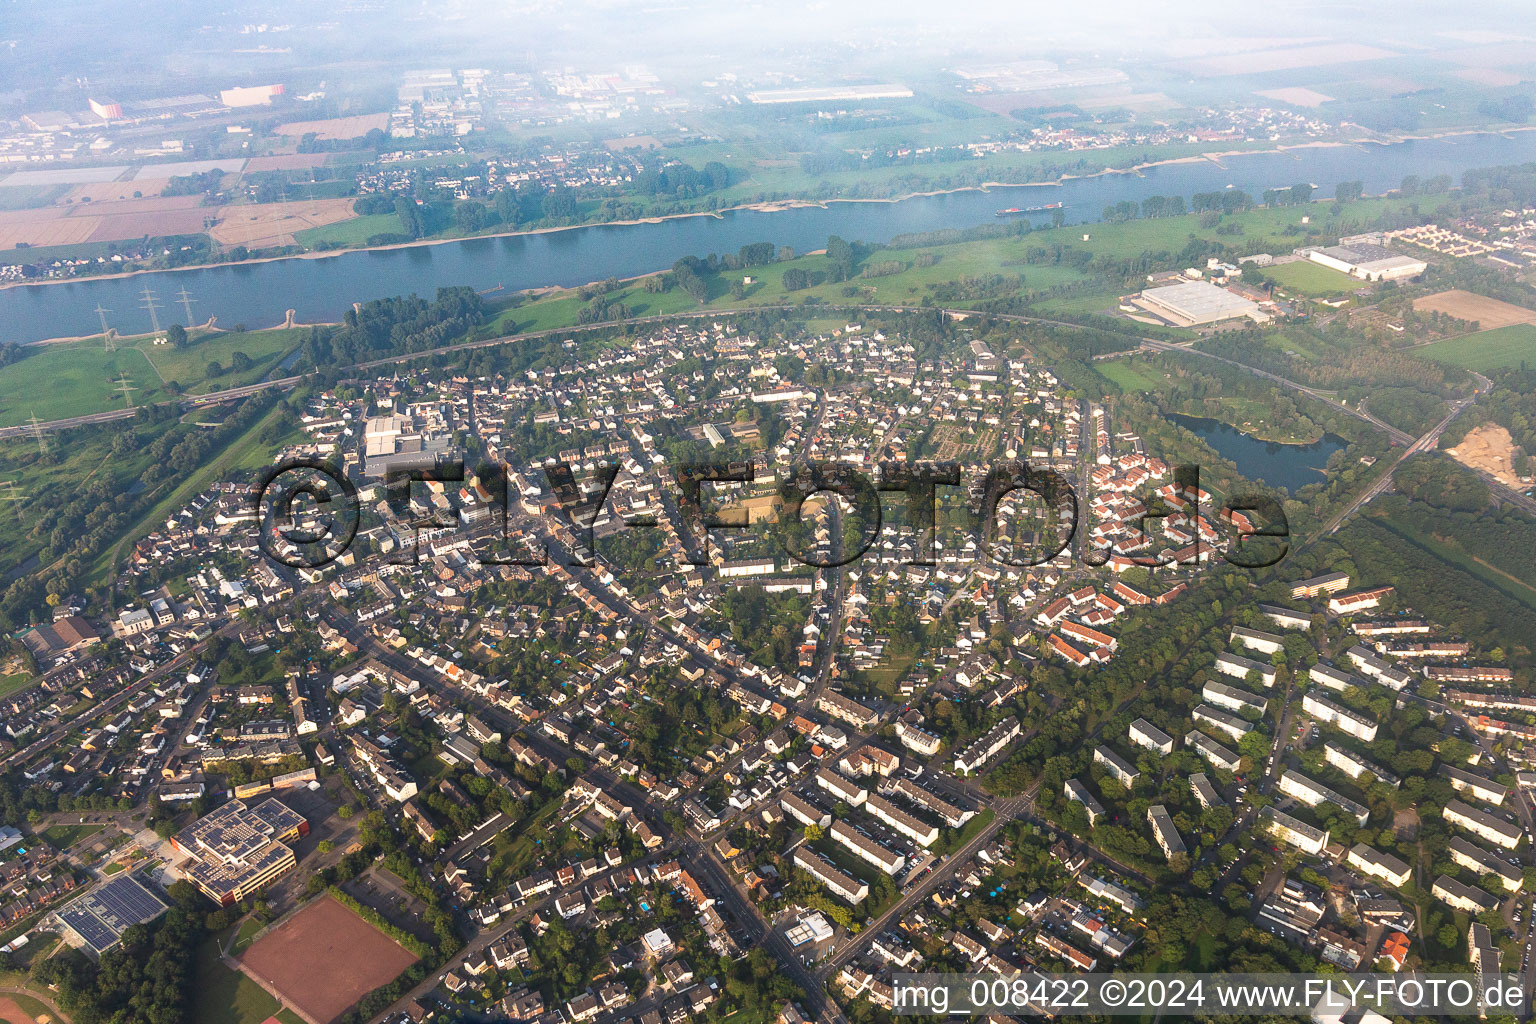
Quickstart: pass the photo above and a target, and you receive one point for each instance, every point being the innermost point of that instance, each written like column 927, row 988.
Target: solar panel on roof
column 90, row 928
column 102, row 915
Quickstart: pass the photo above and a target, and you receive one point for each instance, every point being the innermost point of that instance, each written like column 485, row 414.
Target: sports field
column 1128, row 375
column 323, row 959
column 1503, row 347
column 1307, row 278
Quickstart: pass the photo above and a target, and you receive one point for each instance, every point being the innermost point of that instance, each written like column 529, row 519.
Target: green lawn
column 1312, row 279
column 189, row 366
column 15, row 682
column 908, row 286
column 71, row 379
column 356, row 231
column 63, row 836
column 1129, row 375
column 1512, row 346
column 247, row 933
column 74, row 378
column 225, row 996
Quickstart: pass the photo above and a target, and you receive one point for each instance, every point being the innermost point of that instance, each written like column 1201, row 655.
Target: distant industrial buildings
column 1195, row 304
column 1367, row 261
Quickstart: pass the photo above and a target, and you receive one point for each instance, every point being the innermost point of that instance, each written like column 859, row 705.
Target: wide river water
column 257, row 294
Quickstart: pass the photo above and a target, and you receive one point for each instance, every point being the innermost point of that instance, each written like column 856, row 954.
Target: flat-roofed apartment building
column 830, row 875
column 1164, row 831
column 1482, row 824
column 1287, row 618
column 1253, row 639
column 1205, row 792
column 235, row 850
column 1237, row 666
column 1232, row 698
column 1224, row 721
column 1075, row 790
column 1328, row 583
column 1218, row 755
column 1353, row 765
column 1333, row 678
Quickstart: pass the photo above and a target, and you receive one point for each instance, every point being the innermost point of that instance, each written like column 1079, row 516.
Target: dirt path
column 10, row 1010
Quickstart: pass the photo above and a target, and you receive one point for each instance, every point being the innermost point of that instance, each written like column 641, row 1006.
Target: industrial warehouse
column 1367, row 261
column 1196, row 303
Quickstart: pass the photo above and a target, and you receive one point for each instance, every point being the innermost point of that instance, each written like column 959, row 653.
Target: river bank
column 780, row 205
column 322, row 286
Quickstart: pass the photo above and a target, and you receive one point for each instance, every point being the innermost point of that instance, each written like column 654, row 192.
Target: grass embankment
column 80, row 377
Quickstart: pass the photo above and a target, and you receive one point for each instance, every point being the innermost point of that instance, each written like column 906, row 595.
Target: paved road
column 1005, row 812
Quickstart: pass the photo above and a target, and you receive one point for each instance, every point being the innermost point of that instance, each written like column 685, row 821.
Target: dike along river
column 257, row 294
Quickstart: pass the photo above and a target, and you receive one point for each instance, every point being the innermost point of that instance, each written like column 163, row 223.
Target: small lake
column 1292, row 466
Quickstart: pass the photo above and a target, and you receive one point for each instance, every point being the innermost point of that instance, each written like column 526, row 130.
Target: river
column 1292, row 466
column 257, row 294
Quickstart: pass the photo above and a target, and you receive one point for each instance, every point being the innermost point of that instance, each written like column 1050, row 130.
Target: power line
column 106, row 332
column 186, row 304
column 37, row 432
column 14, row 496
column 150, row 304
column 126, row 387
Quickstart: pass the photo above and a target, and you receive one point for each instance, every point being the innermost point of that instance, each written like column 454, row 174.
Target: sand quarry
column 1490, row 449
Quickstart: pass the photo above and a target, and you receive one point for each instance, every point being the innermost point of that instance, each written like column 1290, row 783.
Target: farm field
column 352, row 231
column 271, row 224
column 324, row 959
column 1487, row 313
column 1312, row 279
column 1511, row 346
